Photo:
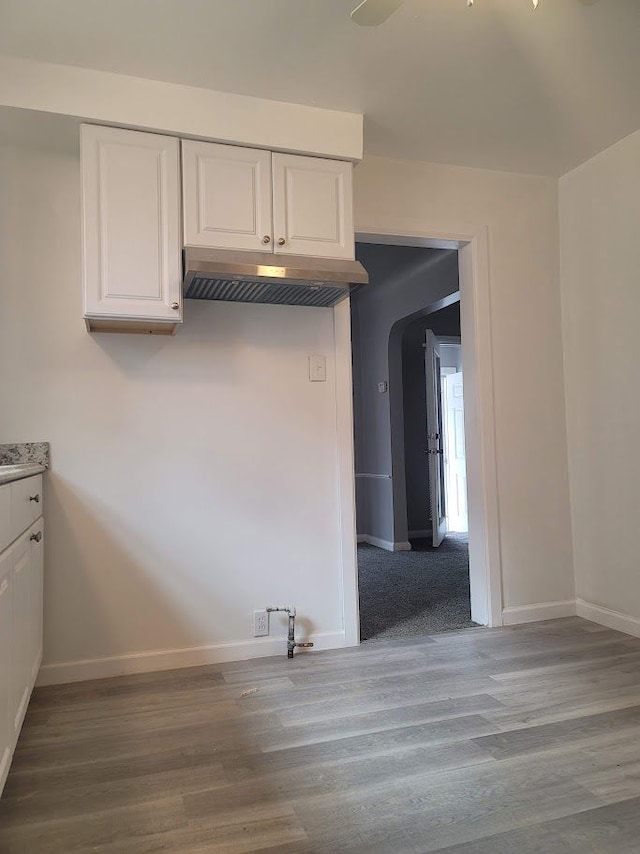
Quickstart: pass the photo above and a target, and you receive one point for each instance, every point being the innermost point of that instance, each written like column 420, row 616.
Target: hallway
column 414, row 593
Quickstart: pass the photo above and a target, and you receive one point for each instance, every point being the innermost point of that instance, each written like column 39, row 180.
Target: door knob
column 281, row 241
column 37, row 536
column 35, row 498
column 266, row 239
column 175, row 306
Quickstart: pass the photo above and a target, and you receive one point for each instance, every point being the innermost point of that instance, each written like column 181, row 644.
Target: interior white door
column 454, row 454
column 227, row 196
column 435, row 449
column 312, row 206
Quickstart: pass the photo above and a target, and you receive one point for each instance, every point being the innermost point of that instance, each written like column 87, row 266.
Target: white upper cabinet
column 246, row 198
column 131, row 229
column 312, row 206
column 227, row 196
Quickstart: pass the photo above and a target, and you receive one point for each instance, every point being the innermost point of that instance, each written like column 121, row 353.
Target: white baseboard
column 172, row 659
column 387, row 545
column 538, row 611
column 606, row 617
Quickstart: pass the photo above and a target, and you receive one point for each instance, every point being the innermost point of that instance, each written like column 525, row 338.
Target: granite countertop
column 21, row 460
column 20, row 471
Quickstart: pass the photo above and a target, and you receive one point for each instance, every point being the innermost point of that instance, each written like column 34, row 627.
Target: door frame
column 477, row 364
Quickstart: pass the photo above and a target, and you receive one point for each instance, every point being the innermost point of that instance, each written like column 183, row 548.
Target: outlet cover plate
column 260, row 624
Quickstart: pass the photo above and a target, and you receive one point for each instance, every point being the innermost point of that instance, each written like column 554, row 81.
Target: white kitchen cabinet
column 250, row 199
column 21, row 599
column 5, row 516
column 26, row 502
column 132, row 249
column 6, row 623
column 312, row 206
column 27, row 619
column 226, row 193
column 21, row 594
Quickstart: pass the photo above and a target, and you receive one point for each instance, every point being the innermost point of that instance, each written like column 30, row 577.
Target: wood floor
column 482, row 741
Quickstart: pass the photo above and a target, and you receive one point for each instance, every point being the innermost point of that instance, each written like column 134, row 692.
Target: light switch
column 317, row 369
column 383, row 387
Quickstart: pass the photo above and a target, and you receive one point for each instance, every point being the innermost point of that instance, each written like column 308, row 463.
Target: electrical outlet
column 260, row 624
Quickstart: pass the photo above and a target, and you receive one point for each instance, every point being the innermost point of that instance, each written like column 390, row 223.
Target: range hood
column 262, row 277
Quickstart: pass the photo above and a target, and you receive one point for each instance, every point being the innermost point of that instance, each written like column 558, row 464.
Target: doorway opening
column 410, row 467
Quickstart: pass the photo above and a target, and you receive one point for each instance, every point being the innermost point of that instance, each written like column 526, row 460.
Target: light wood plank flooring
column 482, row 741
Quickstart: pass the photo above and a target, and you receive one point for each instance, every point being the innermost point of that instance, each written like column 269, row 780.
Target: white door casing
column 131, row 224
column 482, row 485
column 435, row 437
column 226, row 193
column 312, row 206
column 455, row 465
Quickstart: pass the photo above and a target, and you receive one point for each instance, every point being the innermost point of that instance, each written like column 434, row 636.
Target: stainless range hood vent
column 261, row 277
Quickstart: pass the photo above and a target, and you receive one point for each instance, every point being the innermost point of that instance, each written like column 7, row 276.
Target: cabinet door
column 131, row 224
column 6, row 718
column 5, row 516
column 21, row 645
column 227, row 196
column 26, row 504
column 312, row 206
column 36, row 575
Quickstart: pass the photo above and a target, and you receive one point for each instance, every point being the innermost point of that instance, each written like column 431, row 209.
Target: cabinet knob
column 281, row 241
column 266, row 239
column 35, row 498
column 175, row 306
column 37, row 536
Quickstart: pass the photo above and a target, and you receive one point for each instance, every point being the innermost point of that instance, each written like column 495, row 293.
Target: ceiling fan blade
column 370, row 13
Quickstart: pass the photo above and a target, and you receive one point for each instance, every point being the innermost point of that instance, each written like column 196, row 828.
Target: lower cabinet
column 27, row 621
column 21, row 585
column 6, row 704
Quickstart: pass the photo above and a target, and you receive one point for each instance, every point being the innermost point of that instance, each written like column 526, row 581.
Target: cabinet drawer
column 26, row 504
column 5, row 516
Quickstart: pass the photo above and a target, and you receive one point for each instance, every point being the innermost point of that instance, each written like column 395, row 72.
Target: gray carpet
column 407, row 594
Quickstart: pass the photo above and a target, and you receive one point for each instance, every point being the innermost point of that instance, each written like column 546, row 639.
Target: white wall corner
column 117, row 99
column 538, row 611
column 607, row 617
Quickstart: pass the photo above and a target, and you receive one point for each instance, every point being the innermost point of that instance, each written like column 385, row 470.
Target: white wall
column 521, row 213
column 600, row 227
column 194, row 477
column 101, row 97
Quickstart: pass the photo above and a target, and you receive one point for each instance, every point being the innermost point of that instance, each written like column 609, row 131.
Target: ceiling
column 496, row 86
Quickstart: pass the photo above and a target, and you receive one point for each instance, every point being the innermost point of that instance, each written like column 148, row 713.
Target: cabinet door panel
column 36, row 579
column 131, row 224
column 312, row 206
column 227, row 196
column 6, row 722
column 5, row 516
column 26, row 503
column 21, row 644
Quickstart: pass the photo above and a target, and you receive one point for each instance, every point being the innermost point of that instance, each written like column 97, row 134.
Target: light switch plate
column 383, row 387
column 317, row 369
